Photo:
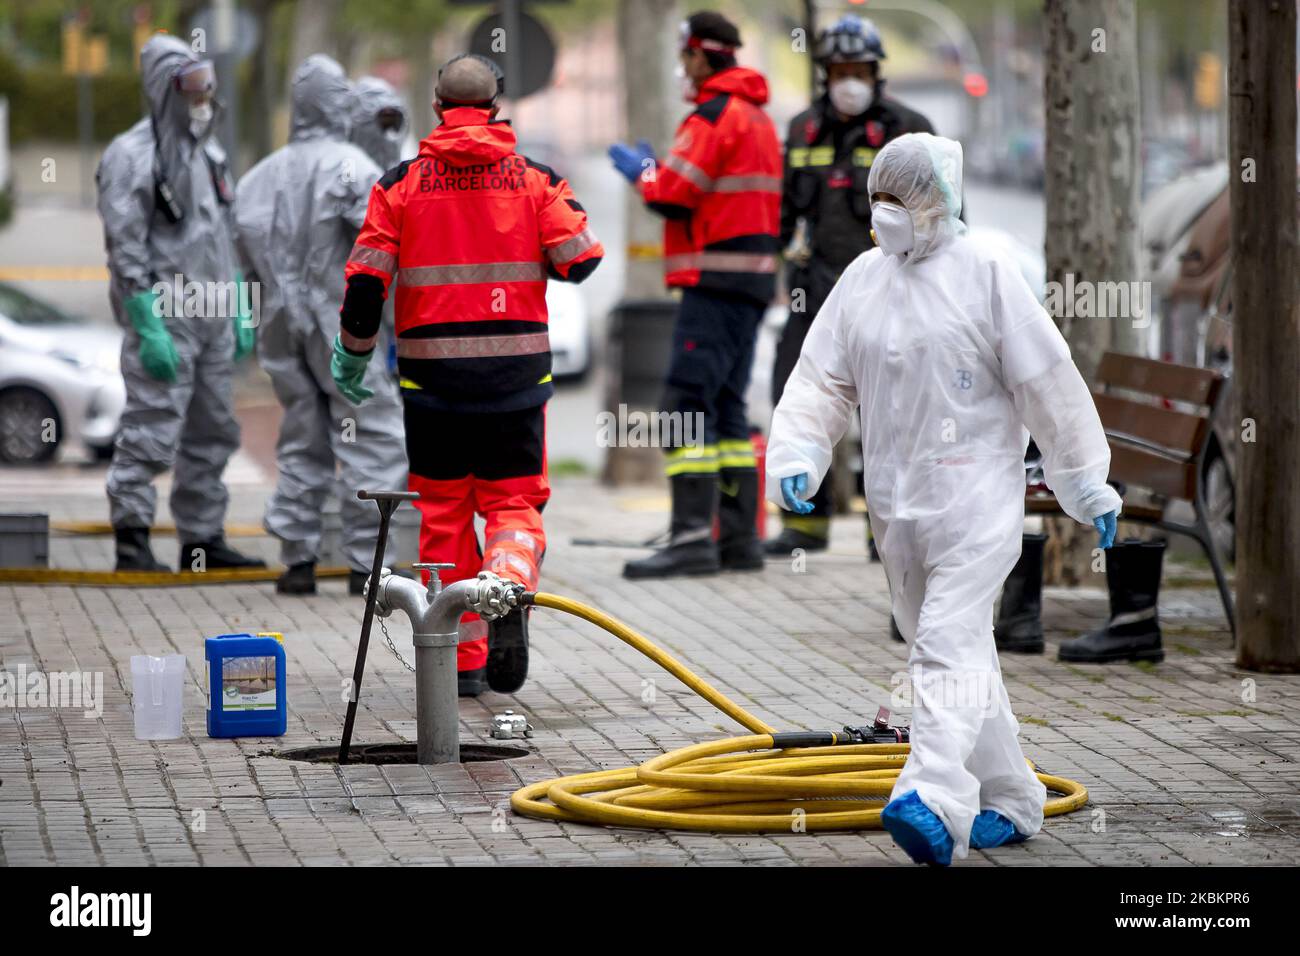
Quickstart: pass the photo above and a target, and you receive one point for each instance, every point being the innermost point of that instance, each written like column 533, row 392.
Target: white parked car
column 570, row 327
column 60, row 381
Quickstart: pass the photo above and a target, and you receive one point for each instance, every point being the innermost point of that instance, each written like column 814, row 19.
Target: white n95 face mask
column 851, row 96
column 200, row 119
column 891, row 225
column 685, row 85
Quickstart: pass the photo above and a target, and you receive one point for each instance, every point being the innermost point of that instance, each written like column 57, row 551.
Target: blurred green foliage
column 43, row 102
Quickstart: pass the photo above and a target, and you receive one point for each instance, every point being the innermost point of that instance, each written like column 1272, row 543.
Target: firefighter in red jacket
column 468, row 232
column 719, row 190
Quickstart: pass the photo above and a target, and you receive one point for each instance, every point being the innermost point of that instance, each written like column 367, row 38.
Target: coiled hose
column 765, row 782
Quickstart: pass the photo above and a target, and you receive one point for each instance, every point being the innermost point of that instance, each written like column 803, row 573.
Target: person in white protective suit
column 942, row 346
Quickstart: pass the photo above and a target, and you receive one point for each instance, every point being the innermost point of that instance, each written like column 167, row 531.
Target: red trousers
column 492, row 465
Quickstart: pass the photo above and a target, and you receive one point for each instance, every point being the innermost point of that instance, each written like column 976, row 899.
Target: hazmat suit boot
column 471, row 683
column 738, row 546
column 1019, row 627
column 991, row 829
column 507, row 656
column 791, row 540
column 210, row 555
column 133, row 551
column 691, row 549
column 297, row 579
column 1133, row 632
column 917, row 829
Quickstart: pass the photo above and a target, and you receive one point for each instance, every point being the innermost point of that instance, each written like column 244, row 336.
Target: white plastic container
column 157, row 687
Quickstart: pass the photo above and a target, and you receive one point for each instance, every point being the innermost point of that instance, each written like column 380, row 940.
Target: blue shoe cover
column 992, row 829
column 917, row 830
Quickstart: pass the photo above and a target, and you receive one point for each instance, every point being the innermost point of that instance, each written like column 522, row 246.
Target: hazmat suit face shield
column 194, row 86
column 924, row 174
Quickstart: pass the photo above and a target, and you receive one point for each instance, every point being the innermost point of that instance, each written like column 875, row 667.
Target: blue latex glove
column 631, row 160
column 1106, row 525
column 792, row 490
column 348, row 370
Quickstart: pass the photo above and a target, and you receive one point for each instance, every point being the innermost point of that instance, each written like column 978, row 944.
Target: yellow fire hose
column 765, row 782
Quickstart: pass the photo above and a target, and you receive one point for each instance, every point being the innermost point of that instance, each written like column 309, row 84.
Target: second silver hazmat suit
column 946, row 356
column 380, row 121
column 297, row 213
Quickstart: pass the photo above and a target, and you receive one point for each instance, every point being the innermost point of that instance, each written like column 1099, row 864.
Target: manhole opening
column 397, row 753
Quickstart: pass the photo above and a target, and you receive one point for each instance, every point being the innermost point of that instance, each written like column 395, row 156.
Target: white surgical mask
column 200, row 119
column 852, row 96
column 891, row 225
column 685, row 84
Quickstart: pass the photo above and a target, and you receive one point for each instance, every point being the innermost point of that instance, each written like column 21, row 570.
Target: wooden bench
column 1159, row 442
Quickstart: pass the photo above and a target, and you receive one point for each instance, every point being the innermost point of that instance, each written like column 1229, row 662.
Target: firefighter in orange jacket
column 719, row 190
column 470, row 230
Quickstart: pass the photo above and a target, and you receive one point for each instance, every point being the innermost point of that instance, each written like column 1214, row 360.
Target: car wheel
column 24, row 415
column 1220, row 508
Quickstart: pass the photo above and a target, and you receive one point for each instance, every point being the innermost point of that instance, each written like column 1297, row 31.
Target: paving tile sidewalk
column 1188, row 762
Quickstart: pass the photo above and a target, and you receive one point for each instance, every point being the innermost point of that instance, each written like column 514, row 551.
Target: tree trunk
column 647, row 30
column 1091, row 166
column 315, row 30
column 1265, row 336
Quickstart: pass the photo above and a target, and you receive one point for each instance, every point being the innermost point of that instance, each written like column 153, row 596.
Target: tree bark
column 1092, row 180
column 1266, row 333
column 646, row 43
column 646, row 34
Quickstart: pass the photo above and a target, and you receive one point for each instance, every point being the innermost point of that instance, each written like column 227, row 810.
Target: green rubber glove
column 245, row 333
column 157, row 350
column 348, row 370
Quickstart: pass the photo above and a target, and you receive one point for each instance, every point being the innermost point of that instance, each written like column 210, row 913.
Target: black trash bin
column 639, row 349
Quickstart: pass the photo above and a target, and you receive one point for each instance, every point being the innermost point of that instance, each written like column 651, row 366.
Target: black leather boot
column 691, row 549
column 792, row 539
column 297, row 579
column 214, row 554
column 507, row 659
column 470, row 683
column 738, row 546
column 1133, row 633
column 133, row 551
column 1019, row 627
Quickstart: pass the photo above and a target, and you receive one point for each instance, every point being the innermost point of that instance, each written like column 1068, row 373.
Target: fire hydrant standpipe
column 766, row 782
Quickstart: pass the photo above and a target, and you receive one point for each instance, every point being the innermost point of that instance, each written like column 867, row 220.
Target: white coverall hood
column 924, row 172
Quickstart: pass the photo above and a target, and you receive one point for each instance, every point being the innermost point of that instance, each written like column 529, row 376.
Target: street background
column 1192, row 761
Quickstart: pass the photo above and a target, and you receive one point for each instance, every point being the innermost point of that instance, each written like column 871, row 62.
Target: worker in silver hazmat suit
column 164, row 194
column 297, row 214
